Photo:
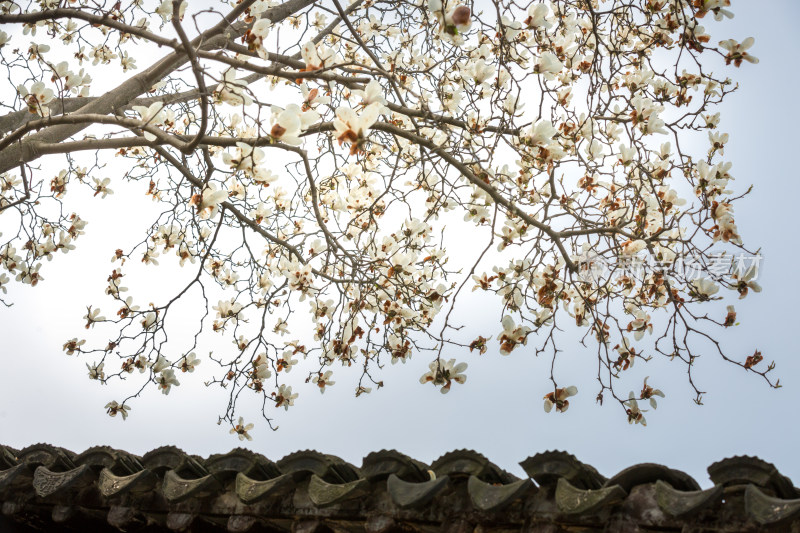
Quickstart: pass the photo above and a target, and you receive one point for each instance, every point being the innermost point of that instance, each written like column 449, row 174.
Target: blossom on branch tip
column 736, row 51
column 443, row 373
column 149, row 319
column 228, row 309
column 73, row 345
column 705, row 288
column 635, row 415
column 188, row 363
column 96, row 371
column 166, row 379
column 558, row 398
column 316, row 58
column 101, row 187
column 323, row 380
column 457, row 20
column 151, row 116
column 312, row 98
column 113, row 408
column 373, row 92
column 241, row 430
column 207, row 203
column 37, row 98
column 648, row 392
column 284, row 397
column 92, row 316
column 714, row 6
column 256, row 36
column 232, row 91
column 288, row 124
column 165, row 10
column 512, row 335
column 537, row 16
column 351, row 126
column 548, row 64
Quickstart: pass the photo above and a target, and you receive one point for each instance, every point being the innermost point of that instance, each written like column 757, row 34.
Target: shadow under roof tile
column 465, row 463
column 547, row 467
column 52, row 457
column 766, row 510
column 111, row 485
column 8, row 457
column 646, row 473
column 379, row 465
column 488, row 497
column 681, row 503
column 252, row 491
column 741, row 470
column 324, row 494
column 572, row 500
column 240, row 460
column 177, row 489
column 329, row 467
column 48, row 483
column 410, row 495
column 15, row 479
column 167, row 458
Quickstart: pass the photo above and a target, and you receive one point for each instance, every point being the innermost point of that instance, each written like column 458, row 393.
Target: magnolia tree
column 312, row 162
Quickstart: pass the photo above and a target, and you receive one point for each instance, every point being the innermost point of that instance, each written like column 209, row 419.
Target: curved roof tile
column 104, row 489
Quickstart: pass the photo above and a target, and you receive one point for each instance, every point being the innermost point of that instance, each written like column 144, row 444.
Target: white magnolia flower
column 736, row 51
column 443, row 373
column 541, row 133
column 207, row 203
column 232, row 91
column 188, row 363
column 241, row 430
column 373, row 92
column 648, row 392
column 633, row 247
column 558, row 398
column 92, row 316
column 323, row 380
column 537, row 16
column 164, row 10
column 548, row 63
column 458, row 19
column 113, row 408
column 151, row 116
column 634, row 413
column 288, row 124
column 101, row 187
column 351, row 126
column 284, row 397
column 512, row 335
column 149, row 319
column 481, row 71
column 312, row 97
column 166, row 379
column 96, row 371
column 228, row 309
column 72, row 345
column 705, row 287
column 37, row 98
column 257, row 35
column 745, row 281
column 315, row 57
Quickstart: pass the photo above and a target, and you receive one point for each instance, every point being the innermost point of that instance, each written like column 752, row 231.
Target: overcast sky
column 45, row 396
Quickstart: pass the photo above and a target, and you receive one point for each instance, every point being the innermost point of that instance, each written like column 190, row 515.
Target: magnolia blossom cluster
column 315, row 160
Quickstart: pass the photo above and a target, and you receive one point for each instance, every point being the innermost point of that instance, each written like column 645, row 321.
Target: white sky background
column 45, row 396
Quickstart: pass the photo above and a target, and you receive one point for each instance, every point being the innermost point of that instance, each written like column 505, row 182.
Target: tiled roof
column 102, row 489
